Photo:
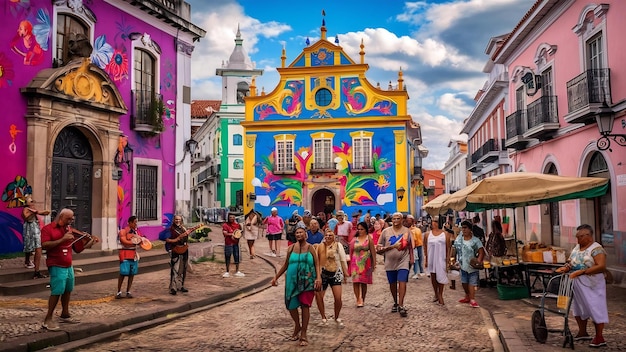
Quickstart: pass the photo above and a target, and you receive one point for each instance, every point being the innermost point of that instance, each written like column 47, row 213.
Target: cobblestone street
column 261, row 323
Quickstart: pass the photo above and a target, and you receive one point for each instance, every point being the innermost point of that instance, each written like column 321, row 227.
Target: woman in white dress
column 437, row 252
column 251, row 230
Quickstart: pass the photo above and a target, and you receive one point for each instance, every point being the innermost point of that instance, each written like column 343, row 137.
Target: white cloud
column 457, row 107
column 437, row 131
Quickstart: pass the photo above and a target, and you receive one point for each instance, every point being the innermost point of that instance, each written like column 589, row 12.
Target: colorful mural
column 25, row 50
column 357, row 188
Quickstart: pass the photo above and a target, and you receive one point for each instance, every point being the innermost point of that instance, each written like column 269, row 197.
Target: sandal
column 304, row 342
column 395, row 308
column 402, row 311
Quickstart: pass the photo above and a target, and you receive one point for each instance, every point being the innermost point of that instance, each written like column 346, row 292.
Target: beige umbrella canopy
column 435, row 206
column 519, row 189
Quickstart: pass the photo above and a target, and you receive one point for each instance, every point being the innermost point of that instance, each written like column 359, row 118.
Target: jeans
column 419, row 260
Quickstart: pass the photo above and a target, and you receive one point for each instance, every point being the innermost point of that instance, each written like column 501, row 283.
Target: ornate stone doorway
column 71, row 186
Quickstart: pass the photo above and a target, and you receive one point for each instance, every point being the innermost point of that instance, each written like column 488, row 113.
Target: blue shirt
column 331, row 223
column 314, row 238
column 466, row 250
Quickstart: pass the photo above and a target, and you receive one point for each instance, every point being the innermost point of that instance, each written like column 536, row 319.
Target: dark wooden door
column 72, row 165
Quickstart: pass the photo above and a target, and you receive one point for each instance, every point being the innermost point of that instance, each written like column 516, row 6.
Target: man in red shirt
column 58, row 241
column 231, row 245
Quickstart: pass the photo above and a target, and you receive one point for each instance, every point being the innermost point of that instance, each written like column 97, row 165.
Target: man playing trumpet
column 130, row 238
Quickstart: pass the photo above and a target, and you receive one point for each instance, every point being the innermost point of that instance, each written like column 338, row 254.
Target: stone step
column 91, row 269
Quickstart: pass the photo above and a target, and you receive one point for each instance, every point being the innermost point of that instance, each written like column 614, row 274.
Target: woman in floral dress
column 362, row 262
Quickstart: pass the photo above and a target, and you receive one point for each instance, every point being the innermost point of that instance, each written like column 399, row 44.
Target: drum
column 237, row 234
column 145, row 244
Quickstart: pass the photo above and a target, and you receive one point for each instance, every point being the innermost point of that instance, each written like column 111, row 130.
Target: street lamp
column 190, row 146
column 400, row 192
column 605, row 126
column 124, row 158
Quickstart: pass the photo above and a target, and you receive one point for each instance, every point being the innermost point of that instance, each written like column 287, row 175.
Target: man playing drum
column 232, row 233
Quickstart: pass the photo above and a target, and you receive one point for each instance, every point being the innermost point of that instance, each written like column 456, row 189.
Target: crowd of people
column 326, row 251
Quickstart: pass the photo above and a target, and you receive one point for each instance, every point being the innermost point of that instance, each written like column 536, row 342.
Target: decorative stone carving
column 185, row 48
column 84, row 84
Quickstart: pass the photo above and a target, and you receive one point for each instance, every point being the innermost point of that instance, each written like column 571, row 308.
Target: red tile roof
column 204, row 108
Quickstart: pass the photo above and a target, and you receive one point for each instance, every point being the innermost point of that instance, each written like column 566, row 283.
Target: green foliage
column 157, row 109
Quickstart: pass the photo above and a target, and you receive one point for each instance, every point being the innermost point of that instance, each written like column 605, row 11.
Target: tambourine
column 145, row 244
column 237, row 234
column 135, row 240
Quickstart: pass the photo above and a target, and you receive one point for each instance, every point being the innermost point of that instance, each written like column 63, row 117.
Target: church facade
column 326, row 139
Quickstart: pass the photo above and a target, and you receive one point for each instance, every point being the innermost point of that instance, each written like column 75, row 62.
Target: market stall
column 521, row 189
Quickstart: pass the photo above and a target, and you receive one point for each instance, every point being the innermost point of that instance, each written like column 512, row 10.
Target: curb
column 82, row 335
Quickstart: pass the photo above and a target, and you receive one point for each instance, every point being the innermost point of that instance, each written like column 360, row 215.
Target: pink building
column 96, row 113
column 554, row 105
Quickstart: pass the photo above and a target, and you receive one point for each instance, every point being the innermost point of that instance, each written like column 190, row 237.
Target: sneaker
column 173, row 292
column 597, row 342
column 129, row 295
column 464, row 300
column 50, row 326
column 422, row 274
column 39, row 275
column 273, row 254
column 473, row 304
column 239, row 274
column 583, row 338
column 118, row 295
column 69, row 320
column 415, row 277
column 226, row 274
column 182, row 289
column 339, row 322
column 394, row 309
column 30, row 265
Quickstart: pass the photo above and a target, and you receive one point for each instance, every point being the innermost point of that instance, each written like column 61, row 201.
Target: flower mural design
column 118, row 66
column 15, row 192
column 283, row 190
column 361, row 189
column 7, row 73
column 10, row 233
column 102, row 52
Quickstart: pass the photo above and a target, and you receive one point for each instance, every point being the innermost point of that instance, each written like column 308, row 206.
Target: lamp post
column 124, row 158
column 605, row 126
column 191, row 146
column 400, row 192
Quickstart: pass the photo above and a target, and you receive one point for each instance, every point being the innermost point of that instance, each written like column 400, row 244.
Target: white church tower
column 237, row 76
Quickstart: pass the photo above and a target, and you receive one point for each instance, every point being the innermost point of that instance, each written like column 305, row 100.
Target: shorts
column 129, row 267
column 329, row 278
column 469, row 278
column 274, row 236
column 231, row 250
column 401, row 275
column 61, row 280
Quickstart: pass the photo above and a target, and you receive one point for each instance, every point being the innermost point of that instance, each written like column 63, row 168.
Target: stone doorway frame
column 83, row 96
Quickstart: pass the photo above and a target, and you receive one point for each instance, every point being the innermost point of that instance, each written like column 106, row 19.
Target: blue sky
column 438, row 44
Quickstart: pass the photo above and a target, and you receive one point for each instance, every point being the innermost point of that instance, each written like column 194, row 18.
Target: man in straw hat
column 231, row 245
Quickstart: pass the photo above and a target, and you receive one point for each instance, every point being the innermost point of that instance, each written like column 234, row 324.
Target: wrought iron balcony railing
column 590, row 87
column 147, row 111
column 515, row 125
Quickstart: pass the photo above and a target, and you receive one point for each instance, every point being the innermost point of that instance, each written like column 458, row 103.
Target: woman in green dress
column 302, row 279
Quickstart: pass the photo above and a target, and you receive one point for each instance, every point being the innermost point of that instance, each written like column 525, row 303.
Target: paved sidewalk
column 94, row 304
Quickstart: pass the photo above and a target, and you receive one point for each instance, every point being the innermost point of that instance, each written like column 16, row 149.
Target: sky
column 438, row 44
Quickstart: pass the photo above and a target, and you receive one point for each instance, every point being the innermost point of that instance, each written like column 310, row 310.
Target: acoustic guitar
column 181, row 246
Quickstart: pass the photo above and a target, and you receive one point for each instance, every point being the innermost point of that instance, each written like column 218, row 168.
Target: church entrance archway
column 71, row 184
column 323, row 200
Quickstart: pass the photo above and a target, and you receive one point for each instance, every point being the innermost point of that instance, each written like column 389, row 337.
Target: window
column 147, row 193
column 361, row 150
column 243, row 90
column 323, row 97
column 67, row 24
column 595, row 52
column 144, row 66
column 284, row 153
column 431, row 183
column 323, row 151
column 237, row 140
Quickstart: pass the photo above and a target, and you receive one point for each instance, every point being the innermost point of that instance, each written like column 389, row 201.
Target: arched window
column 243, row 90
column 237, row 140
column 67, row 24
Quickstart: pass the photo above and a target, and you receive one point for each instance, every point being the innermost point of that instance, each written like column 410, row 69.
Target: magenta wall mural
column 26, row 48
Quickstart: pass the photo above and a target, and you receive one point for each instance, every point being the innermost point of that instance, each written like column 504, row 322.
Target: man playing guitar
column 179, row 255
